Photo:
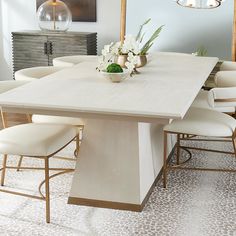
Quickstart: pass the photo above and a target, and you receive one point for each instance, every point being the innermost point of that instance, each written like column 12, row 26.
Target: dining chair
column 40, row 141
column 199, row 122
column 228, row 66
column 225, row 79
column 68, row 61
column 30, row 74
column 219, row 99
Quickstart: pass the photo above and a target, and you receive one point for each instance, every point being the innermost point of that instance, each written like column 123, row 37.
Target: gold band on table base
column 119, row 205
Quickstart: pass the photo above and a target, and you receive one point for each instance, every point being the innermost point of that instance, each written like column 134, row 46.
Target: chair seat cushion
column 57, row 120
column 35, row 139
column 203, row 122
column 202, row 101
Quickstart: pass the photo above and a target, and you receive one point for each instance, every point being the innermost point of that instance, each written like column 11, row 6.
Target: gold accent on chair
column 166, row 167
column 46, row 168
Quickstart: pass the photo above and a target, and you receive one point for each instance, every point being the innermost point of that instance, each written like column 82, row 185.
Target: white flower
column 107, row 49
column 130, row 45
column 130, row 66
column 132, row 58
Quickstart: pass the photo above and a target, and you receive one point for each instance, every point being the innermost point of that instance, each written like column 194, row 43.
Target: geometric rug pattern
column 195, row 203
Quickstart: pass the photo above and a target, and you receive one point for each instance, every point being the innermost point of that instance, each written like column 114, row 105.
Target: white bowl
column 116, row 77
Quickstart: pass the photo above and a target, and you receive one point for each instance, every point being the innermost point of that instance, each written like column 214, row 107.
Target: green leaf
column 141, row 29
column 145, row 50
column 201, row 51
column 150, row 42
column 141, row 40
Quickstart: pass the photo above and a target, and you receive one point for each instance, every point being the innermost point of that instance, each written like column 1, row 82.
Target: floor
column 194, row 204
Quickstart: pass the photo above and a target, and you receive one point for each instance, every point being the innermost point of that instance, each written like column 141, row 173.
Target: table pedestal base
column 118, row 164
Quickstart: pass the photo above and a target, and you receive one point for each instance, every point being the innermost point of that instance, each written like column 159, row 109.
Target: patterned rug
column 194, row 204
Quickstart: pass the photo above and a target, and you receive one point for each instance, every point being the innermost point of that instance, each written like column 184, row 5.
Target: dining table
column 121, row 153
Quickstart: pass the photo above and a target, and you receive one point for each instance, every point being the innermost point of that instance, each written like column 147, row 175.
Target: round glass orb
column 54, row 15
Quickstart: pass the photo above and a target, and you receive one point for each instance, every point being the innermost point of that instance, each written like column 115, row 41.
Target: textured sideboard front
column 37, row 48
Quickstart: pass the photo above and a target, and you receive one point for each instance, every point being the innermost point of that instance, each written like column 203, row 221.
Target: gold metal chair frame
column 78, row 140
column 46, row 168
column 178, row 165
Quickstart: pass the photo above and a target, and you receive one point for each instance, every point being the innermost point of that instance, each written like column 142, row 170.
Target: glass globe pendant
column 200, row 4
column 54, row 15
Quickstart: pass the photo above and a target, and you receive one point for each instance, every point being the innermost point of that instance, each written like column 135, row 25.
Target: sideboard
column 38, row 48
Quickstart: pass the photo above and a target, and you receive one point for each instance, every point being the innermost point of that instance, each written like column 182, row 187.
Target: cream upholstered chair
column 33, row 140
column 225, row 79
column 199, row 122
column 6, row 85
column 30, row 74
column 38, row 141
column 219, row 99
column 68, row 61
column 228, row 66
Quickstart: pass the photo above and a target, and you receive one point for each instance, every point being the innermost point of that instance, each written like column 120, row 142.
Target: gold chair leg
column 77, row 141
column 178, row 149
column 4, row 119
column 3, row 169
column 47, row 191
column 19, row 163
column 165, row 161
column 234, row 145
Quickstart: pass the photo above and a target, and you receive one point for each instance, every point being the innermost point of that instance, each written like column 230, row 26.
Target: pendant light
column 200, row 4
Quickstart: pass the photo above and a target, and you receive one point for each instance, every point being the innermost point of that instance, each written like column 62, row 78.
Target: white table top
column 165, row 88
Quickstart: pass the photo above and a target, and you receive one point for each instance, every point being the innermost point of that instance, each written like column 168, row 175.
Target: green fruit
column 114, row 68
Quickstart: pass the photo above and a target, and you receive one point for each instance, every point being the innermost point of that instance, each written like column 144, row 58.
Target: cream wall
column 184, row 31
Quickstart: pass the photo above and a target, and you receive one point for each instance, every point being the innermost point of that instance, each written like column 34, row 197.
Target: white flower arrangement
column 111, row 51
column 131, row 47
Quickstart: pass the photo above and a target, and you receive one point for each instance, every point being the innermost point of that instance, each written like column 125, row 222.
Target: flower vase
column 122, row 59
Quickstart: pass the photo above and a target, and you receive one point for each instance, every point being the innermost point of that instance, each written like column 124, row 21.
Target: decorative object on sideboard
column 200, row 4
column 82, row 10
column 54, row 15
column 131, row 53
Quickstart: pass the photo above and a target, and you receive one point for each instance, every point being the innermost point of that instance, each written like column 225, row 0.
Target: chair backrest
column 228, row 65
column 225, row 79
column 68, row 61
column 222, row 97
column 5, row 86
column 33, row 73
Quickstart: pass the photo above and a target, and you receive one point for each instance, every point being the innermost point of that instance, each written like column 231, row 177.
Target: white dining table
column 121, row 152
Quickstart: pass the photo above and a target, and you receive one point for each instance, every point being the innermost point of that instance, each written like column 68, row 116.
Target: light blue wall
column 185, row 29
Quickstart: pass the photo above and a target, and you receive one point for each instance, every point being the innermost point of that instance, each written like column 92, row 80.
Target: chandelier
column 200, row 4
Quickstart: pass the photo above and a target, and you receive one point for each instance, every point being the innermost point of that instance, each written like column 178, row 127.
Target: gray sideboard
column 38, row 48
